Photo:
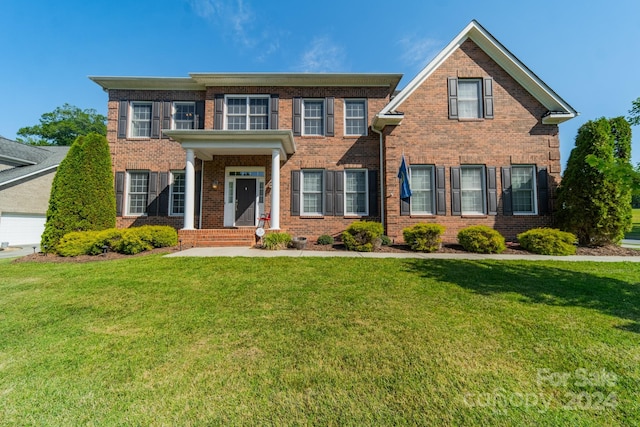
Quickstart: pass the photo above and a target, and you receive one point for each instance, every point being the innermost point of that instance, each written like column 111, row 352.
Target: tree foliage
column 634, row 113
column 594, row 196
column 82, row 194
column 63, row 125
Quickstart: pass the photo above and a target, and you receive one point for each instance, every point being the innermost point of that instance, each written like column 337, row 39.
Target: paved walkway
column 18, row 251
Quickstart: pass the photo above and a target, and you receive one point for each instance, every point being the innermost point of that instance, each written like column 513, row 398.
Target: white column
column 190, row 191
column 275, row 189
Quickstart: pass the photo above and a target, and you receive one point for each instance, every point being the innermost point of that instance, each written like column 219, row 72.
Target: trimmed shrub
column 131, row 243
column 363, row 236
column 128, row 241
column 275, row 241
column 548, row 241
column 385, row 240
column 481, row 239
column 423, row 237
column 325, row 239
column 76, row 243
column 158, row 236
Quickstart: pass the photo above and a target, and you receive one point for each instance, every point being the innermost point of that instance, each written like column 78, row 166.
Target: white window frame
column 172, row 193
column 479, row 99
column 534, row 195
column 483, row 189
column 130, row 193
column 303, row 191
column 132, row 106
column 174, row 121
column 323, row 115
column 247, row 113
column 366, row 193
column 363, row 118
column 431, row 190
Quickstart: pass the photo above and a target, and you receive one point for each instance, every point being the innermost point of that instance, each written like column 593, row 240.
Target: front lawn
column 635, row 231
column 349, row 341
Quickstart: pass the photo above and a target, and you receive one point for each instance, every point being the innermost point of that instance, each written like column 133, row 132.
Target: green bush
column 548, row 241
column 275, row 241
column 423, row 237
column 325, row 239
column 158, row 236
column 76, row 243
column 363, row 236
column 481, row 239
column 128, row 241
column 385, row 240
column 132, row 243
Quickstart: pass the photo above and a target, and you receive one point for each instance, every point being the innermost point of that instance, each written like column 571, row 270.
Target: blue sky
column 586, row 51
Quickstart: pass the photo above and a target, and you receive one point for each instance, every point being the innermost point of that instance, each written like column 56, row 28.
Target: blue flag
column 403, row 175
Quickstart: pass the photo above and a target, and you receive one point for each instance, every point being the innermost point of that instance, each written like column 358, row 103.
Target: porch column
column 190, row 191
column 275, row 189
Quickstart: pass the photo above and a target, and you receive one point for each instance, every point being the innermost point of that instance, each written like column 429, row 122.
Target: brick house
column 212, row 153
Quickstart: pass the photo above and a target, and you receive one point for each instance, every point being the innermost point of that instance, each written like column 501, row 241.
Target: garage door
column 21, row 229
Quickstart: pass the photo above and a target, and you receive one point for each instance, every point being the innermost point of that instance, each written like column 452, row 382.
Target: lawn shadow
column 540, row 285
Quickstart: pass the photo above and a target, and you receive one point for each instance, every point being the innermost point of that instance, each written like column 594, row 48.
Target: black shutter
column 330, row 129
column 163, row 198
column 123, row 118
column 329, row 194
column 453, row 97
column 373, row 193
column 297, row 116
column 338, row 186
column 456, row 201
column 199, row 122
column 441, row 199
column 119, row 192
column 507, row 206
column 155, row 119
column 488, row 98
column 218, row 116
column 275, row 107
column 152, row 195
column 198, row 192
column 492, row 191
column 543, row 192
column 166, row 116
column 295, row 193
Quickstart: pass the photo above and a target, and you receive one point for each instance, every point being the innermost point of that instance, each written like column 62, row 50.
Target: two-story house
column 212, row 153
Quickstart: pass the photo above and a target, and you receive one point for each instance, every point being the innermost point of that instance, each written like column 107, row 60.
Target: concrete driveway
column 18, row 251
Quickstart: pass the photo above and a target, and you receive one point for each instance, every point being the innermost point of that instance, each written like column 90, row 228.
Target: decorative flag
column 403, row 175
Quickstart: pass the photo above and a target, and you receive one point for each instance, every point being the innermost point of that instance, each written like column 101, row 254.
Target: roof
column 559, row 109
column 29, row 160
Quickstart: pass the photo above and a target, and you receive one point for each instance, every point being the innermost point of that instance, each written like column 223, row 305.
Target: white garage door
column 20, row 229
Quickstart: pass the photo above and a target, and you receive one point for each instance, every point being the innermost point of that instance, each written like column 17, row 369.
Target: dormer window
column 470, row 98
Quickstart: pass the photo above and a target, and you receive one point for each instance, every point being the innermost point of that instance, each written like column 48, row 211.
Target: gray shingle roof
column 35, row 159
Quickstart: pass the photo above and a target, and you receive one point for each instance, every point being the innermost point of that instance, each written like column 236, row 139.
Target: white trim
column 365, row 118
column 479, row 99
column 323, row 117
column 322, row 192
column 432, row 189
column 127, row 192
column 38, row 172
column 171, row 193
column 173, row 114
column 225, row 122
column 534, row 190
column 366, row 192
column 229, row 215
column 130, row 119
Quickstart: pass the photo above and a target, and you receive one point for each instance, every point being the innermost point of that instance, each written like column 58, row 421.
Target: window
column 312, row 187
column 176, row 203
column 472, row 190
column 184, row 114
column 137, row 193
column 355, row 192
column 247, row 113
column 140, row 119
column 421, row 181
column 313, row 117
column 469, row 98
column 355, row 117
column 523, row 189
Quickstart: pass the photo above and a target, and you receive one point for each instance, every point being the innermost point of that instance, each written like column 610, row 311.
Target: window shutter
column 297, row 116
column 441, row 199
column 119, row 192
column 330, row 129
column 152, row 198
column 329, row 195
column 163, row 198
column 492, row 191
column 488, row 98
column 123, row 118
column 543, row 192
column 198, row 192
column 456, row 201
column 275, row 107
column 339, row 189
column 166, row 116
column 373, row 193
column 453, row 97
column 219, row 111
column 155, row 119
column 507, row 206
column 295, row 193
column 199, row 124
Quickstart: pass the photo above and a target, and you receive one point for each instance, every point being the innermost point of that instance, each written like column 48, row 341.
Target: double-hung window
column 523, row 189
column 140, row 120
column 247, row 112
column 469, row 98
column 176, row 199
column 313, row 117
column 355, row 117
column 184, row 114
column 472, row 190
column 422, row 194
column 137, row 193
column 355, row 192
column 312, row 192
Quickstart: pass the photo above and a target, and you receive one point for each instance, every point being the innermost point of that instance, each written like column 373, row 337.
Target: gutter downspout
column 382, row 178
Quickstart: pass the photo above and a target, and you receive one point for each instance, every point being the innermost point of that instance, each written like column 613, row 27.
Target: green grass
column 229, row 341
column 635, row 231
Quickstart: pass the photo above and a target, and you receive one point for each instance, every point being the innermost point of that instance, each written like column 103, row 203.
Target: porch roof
column 208, row 143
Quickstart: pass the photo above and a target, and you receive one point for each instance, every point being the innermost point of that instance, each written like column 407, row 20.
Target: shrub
column 158, row 236
column 110, row 238
column 548, row 241
column 275, row 241
column 363, row 236
column 423, row 237
column 385, row 240
column 325, row 239
column 76, row 243
column 129, row 241
column 481, row 239
column 132, row 243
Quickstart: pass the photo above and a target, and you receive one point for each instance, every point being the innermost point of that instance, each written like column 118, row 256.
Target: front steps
column 219, row 237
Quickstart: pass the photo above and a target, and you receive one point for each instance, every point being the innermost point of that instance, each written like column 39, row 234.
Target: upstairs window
column 470, row 98
column 184, row 114
column 313, row 117
column 247, row 112
column 355, row 117
column 140, row 119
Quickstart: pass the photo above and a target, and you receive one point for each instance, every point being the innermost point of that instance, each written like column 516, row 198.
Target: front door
column 245, row 202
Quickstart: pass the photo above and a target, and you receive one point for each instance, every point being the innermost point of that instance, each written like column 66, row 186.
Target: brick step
column 224, row 237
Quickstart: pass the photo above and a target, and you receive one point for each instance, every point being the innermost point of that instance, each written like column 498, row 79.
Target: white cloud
column 417, row 52
column 323, row 55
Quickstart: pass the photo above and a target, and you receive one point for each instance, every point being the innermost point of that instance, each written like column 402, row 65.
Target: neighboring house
column 26, row 174
column 211, row 153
